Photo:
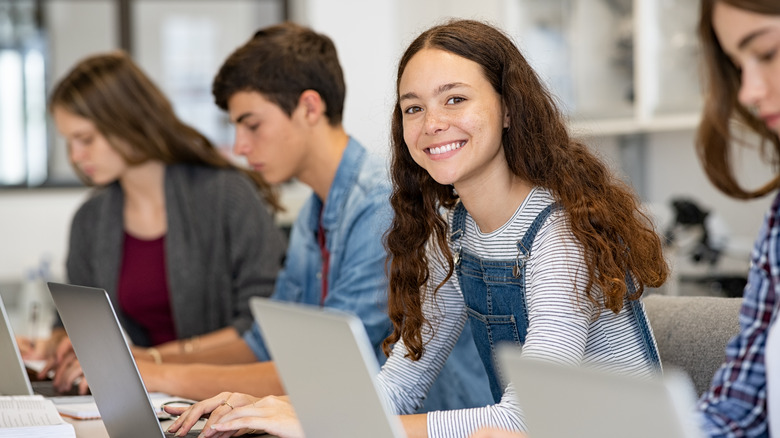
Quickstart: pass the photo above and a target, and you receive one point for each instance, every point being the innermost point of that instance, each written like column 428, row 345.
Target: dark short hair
column 281, row 62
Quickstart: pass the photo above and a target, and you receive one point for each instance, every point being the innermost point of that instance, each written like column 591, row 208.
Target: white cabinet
column 617, row 66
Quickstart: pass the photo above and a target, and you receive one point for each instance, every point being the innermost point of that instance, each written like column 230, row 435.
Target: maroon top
column 325, row 259
column 143, row 287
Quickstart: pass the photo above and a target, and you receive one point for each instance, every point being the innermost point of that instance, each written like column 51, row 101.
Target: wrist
column 155, row 354
column 190, row 345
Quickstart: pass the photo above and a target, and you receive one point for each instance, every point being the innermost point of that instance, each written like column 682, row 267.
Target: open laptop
column 15, row 379
column 561, row 401
column 327, row 366
column 772, row 366
column 108, row 364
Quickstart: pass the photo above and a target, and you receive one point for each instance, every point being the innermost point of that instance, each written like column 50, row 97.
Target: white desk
column 96, row 429
column 88, row 428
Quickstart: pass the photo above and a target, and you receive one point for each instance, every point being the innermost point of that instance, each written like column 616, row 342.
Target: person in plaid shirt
column 741, row 46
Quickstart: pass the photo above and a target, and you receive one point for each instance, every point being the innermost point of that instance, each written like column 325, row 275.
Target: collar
column 343, row 182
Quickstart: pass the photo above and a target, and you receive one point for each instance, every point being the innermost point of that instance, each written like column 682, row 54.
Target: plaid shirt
column 735, row 405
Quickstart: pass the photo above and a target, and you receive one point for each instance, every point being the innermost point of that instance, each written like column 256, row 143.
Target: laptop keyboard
column 46, row 388
column 191, row 433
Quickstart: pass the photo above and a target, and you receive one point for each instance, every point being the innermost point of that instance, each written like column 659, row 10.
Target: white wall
column 370, row 36
column 34, row 225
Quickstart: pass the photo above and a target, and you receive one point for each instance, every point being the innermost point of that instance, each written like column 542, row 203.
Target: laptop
column 108, row 364
column 15, row 379
column 560, row 401
column 772, row 366
column 329, row 369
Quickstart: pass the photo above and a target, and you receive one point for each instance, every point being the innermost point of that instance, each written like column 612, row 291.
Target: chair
column 692, row 332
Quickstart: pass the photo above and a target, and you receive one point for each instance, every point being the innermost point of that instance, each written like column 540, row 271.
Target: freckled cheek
column 485, row 122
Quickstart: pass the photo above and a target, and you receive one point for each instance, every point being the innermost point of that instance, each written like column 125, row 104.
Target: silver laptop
column 108, row 364
column 772, row 366
column 329, row 369
column 565, row 401
column 14, row 379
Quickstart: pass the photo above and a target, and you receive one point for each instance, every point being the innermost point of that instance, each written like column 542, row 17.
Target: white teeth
column 446, row 148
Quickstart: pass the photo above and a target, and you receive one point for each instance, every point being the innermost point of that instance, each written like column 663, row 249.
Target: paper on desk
column 89, row 410
column 79, row 411
column 31, row 416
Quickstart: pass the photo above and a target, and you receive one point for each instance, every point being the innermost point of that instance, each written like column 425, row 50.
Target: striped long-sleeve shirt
column 564, row 325
column 735, row 405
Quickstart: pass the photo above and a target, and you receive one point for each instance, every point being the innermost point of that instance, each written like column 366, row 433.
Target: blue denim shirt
column 356, row 215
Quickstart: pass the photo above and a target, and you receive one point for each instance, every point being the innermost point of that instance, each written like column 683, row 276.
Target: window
column 178, row 43
column 23, row 139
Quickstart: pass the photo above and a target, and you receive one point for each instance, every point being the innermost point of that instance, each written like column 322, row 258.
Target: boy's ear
column 312, row 105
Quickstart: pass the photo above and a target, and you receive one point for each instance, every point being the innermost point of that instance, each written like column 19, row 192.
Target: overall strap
column 458, row 228
column 644, row 325
column 458, row 222
column 524, row 244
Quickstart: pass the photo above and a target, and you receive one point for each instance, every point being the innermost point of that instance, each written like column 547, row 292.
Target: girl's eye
column 768, row 56
column 454, row 100
column 412, row 110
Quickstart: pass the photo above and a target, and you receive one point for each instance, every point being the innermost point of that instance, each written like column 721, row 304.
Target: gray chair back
column 692, row 332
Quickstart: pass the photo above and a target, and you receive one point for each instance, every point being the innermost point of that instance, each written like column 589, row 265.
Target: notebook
column 560, row 401
column 108, row 364
column 14, row 379
column 329, row 369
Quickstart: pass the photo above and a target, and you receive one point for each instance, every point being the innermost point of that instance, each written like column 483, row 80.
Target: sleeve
column 558, row 322
column 559, row 313
column 78, row 262
column 735, row 404
column 254, row 340
column 359, row 286
column 406, row 382
column 256, row 251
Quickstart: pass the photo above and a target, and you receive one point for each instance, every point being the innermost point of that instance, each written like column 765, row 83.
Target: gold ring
column 252, row 432
column 226, row 403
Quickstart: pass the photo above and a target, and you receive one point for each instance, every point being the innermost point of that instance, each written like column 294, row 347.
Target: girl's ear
column 506, row 117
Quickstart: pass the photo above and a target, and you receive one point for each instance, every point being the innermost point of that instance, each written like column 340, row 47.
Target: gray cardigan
column 221, row 248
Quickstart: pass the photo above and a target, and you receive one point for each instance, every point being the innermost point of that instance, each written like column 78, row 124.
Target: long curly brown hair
column 604, row 214
column 716, row 134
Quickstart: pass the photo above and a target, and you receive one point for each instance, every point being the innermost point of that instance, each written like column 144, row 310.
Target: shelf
column 624, row 126
column 634, row 72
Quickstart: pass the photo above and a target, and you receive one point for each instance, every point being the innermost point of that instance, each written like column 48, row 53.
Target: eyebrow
column 750, row 37
column 242, row 117
column 437, row 91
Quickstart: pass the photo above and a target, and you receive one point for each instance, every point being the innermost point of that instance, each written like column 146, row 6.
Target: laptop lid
column 13, row 379
column 328, row 368
column 105, row 358
column 772, row 366
column 560, row 401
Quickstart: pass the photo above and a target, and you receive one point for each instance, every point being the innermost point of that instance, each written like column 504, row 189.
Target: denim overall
column 494, row 292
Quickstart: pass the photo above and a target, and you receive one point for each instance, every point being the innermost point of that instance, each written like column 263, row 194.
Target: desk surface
column 96, row 429
column 88, row 428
